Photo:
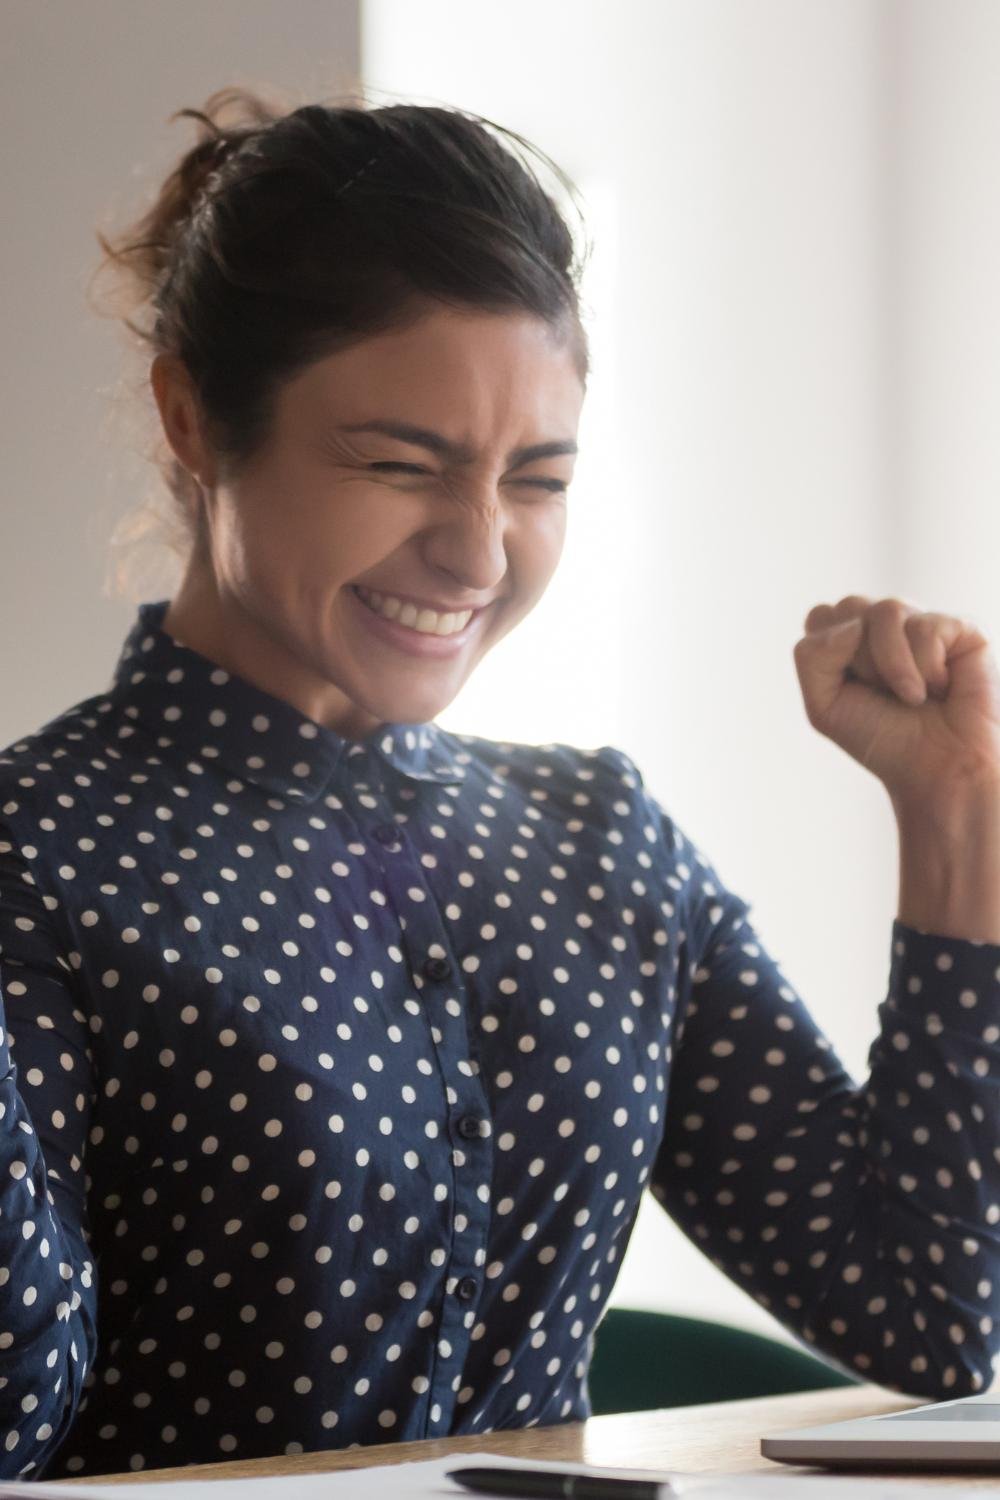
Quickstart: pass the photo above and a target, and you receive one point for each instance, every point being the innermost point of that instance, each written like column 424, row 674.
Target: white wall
column 946, row 293
column 746, row 468
column 87, row 90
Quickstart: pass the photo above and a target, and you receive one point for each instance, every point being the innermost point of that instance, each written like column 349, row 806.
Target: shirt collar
column 185, row 699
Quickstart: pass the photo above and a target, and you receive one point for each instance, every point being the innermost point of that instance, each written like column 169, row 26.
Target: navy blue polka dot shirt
column 332, row 1073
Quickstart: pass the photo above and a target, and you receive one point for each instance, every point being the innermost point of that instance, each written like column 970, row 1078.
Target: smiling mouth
column 422, row 621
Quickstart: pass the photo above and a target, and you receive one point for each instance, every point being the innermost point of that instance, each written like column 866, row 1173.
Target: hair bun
column 198, row 171
column 141, row 257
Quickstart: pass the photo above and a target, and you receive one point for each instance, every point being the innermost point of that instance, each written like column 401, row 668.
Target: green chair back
column 646, row 1360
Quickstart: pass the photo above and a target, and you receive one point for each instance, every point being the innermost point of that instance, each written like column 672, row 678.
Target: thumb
column 821, row 661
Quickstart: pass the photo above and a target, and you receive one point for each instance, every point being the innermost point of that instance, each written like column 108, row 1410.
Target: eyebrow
column 459, row 453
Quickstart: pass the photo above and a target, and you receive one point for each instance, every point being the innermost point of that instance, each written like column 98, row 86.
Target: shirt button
column 467, row 1288
column 470, row 1128
column 437, row 968
column 386, row 834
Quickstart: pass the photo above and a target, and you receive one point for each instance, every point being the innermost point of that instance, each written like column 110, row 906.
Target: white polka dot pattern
column 336, row 1071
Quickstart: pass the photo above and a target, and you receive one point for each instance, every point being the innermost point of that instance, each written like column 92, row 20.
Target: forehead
column 465, row 373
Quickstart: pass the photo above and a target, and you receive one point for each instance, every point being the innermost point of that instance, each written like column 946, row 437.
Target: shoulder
column 63, row 755
column 600, row 786
column 604, row 791
column 523, row 763
column 596, row 802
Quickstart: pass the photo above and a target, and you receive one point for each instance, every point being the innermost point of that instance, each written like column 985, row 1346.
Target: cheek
column 546, row 540
column 533, row 554
column 325, row 532
column 373, row 523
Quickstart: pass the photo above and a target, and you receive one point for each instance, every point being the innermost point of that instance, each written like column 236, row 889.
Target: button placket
column 464, row 1126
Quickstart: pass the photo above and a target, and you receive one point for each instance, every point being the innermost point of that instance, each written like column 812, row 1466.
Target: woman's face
column 427, row 465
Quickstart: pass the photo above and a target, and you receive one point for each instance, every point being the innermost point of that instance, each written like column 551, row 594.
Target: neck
column 218, row 627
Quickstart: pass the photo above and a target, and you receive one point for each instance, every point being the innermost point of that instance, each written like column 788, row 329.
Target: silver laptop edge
column 939, row 1435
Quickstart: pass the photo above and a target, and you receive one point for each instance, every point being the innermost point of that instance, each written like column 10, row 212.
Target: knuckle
column 888, row 609
column 924, row 625
column 818, row 612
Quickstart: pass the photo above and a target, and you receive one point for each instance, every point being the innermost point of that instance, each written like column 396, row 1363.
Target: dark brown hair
column 281, row 237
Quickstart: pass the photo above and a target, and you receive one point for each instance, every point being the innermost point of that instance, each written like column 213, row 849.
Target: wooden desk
column 723, row 1437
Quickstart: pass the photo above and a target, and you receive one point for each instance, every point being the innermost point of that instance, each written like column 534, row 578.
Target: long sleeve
column 864, row 1218
column 47, row 1281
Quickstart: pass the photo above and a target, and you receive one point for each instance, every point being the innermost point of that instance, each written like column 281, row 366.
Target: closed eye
column 394, row 466
column 556, row 486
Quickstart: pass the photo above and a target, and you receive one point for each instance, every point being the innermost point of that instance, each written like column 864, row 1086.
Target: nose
column 470, row 545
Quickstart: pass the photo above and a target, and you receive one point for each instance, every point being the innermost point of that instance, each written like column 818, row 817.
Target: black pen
column 548, row 1484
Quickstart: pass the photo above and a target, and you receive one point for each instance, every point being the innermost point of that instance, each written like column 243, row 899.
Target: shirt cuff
column 957, row 979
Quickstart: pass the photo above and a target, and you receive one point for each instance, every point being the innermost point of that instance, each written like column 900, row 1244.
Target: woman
column 345, row 1046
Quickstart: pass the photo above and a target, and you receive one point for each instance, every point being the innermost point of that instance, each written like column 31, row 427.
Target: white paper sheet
column 428, row 1480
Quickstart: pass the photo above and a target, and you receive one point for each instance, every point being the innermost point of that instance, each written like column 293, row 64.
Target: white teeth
column 426, row 621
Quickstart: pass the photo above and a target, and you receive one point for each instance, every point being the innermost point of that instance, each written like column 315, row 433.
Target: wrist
column 949, row 862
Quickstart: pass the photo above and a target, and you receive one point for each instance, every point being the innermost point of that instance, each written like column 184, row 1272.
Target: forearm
column 48, row 1286
column 48, row 1300
column 949, row 866
column 863, row 1217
